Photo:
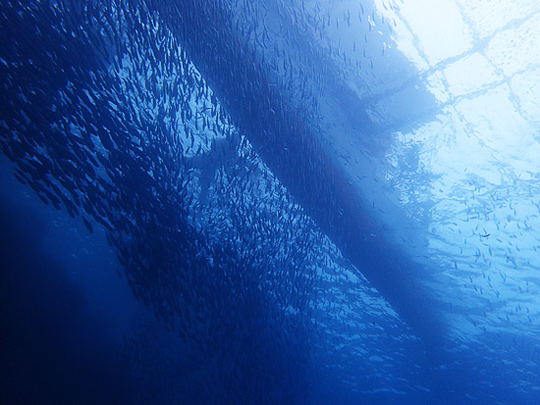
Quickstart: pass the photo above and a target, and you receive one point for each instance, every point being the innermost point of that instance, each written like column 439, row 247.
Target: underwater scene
column 270, row 202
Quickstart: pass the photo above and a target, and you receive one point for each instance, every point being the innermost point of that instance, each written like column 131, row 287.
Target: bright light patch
column 438, row 28
column 526, row 86
column 469, row 74
column 500, row 128
column 518, row 48
column 488, row 16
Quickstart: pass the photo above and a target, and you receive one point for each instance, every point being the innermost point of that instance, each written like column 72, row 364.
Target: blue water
column 259, row 202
